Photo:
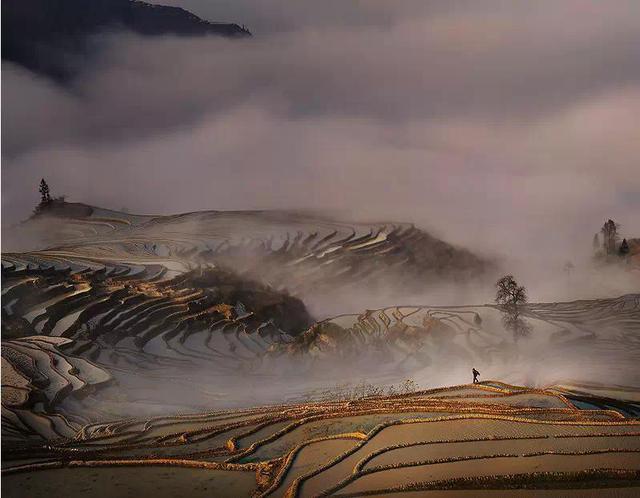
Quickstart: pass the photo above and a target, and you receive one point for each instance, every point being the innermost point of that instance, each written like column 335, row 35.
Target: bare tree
column 509, row 293
column 510, row 296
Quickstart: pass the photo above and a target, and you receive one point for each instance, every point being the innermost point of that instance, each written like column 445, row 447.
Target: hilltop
column 287, row 249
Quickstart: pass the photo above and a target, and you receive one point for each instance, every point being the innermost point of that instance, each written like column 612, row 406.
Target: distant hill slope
column 50, row 36
column 441, row 339
column 292, row 250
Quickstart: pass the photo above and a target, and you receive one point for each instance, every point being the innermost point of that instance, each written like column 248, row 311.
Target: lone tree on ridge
column 510, row 296
column 509, row 293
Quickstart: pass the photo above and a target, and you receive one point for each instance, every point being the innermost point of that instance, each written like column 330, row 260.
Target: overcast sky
column 499, row 125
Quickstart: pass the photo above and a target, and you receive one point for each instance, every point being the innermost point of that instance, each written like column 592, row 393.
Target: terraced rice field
column 149, row 355
column 130, row 481
column 367, row 446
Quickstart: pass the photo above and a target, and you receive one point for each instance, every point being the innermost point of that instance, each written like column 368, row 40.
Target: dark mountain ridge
column 51, row 37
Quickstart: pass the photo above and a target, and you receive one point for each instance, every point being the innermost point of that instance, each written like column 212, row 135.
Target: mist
column 507, row 129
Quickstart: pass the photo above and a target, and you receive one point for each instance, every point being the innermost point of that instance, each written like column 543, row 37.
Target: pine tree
column 45, row 197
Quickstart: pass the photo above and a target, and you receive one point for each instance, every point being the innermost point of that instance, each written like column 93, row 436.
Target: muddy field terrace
column 177, row 353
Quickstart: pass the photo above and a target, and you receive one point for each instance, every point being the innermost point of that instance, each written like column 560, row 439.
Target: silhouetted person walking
column 475, row 375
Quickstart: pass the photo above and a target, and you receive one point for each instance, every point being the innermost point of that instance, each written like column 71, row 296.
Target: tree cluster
column 610, row 244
